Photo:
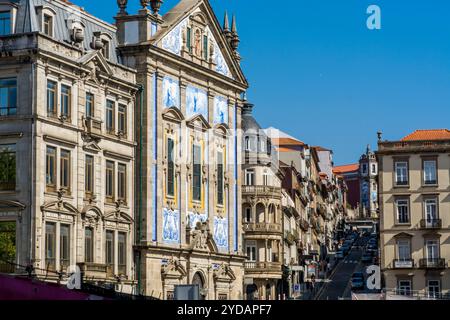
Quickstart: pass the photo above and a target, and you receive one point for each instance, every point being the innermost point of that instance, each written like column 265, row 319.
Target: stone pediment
column 11, row 205
column 222, row 130
column 119, row 216
column 96, row 63
column 198, row 15
column 91, row 212
column 224, row 273
column 198, row 122
column 173, row 114
column 59, row 206
column 173, row 269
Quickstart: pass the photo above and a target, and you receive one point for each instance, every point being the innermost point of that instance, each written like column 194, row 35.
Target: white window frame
column 405, row 285
column 251, row 245
column 249, row 173
column 428, row 175
column 47, row 11
column 402, row 203
column 404, row 243
column 436, row 285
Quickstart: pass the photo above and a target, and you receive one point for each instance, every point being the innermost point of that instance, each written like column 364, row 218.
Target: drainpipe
column 32, row 164
column 139, row 227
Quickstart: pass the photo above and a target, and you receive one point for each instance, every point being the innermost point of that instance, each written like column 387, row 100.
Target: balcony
column 266, row 191
column 289, row 237
column 437, row 263
column 304, row 225
column 94, row 270
column 262, row 267
column 403, row 264
column 93, row 126
column 431, row 224
column 262, row 227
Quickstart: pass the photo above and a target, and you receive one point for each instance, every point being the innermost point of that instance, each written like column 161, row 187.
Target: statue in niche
column 198, row 43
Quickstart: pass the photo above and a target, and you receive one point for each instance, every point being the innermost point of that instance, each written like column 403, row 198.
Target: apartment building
column 414, row 180
column 261, row 211
column 67, row 145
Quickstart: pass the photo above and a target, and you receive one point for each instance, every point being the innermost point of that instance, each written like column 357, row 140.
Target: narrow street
column 339, row 284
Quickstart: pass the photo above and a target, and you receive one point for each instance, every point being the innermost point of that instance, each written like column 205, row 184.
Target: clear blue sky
column 319, row 74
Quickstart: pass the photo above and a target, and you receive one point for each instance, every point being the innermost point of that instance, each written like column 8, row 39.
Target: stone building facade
column 368, row 175
column 189, row 230
column 67, row 139
column 414, row 222
column 262, row 212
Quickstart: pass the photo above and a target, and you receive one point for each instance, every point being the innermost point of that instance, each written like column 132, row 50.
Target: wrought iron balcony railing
column 403, row 263
column 431, row 223
column 432, row 263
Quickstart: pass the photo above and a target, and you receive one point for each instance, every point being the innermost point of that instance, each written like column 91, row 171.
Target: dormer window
column 48, row 25
column 5, row 23
column 47, row 20
column 106, row 48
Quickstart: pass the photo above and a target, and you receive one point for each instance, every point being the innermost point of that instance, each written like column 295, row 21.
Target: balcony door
column 431, row 213
column 432, row 247
column 404, row 287
column 434, row 289
column 251, row 252
column 404, row 250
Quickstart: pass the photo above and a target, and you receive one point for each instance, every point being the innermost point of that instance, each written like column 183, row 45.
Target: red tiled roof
column 287, row 142
column 284, row 149
column 424, row 135
column 346, row 168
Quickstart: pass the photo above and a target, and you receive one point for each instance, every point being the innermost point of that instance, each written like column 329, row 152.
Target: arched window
column 247, row 143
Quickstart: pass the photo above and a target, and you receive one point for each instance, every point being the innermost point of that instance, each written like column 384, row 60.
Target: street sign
column 296, row 288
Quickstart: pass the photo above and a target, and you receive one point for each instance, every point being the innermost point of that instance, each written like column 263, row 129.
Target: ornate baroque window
column 197, row 173
column 220, row 177
column 170, row 167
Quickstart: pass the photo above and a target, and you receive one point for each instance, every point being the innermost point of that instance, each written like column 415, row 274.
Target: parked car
column 357, row 281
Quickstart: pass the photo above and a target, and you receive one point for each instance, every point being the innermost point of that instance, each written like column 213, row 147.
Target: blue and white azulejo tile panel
column 196, row 102
column 219, row 60
column 220, row 110
column 193, row 218
column 171, row 93
column 221, row 233
column 174, row 39
column 171, row 226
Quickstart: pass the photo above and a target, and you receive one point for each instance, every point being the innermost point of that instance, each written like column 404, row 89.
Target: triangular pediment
column 198, row 15
column 198, row 122
column 95, row 61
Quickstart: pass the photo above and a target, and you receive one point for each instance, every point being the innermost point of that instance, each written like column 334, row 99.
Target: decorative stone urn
column 156, row 5
column 122, row 6
column 144, row 4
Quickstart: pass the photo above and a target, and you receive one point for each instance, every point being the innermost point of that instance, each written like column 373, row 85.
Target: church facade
column 189, row 228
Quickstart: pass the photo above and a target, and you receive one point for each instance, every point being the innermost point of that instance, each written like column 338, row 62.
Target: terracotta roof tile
column 346, row 168
column 424, row 135
column 287, row 142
